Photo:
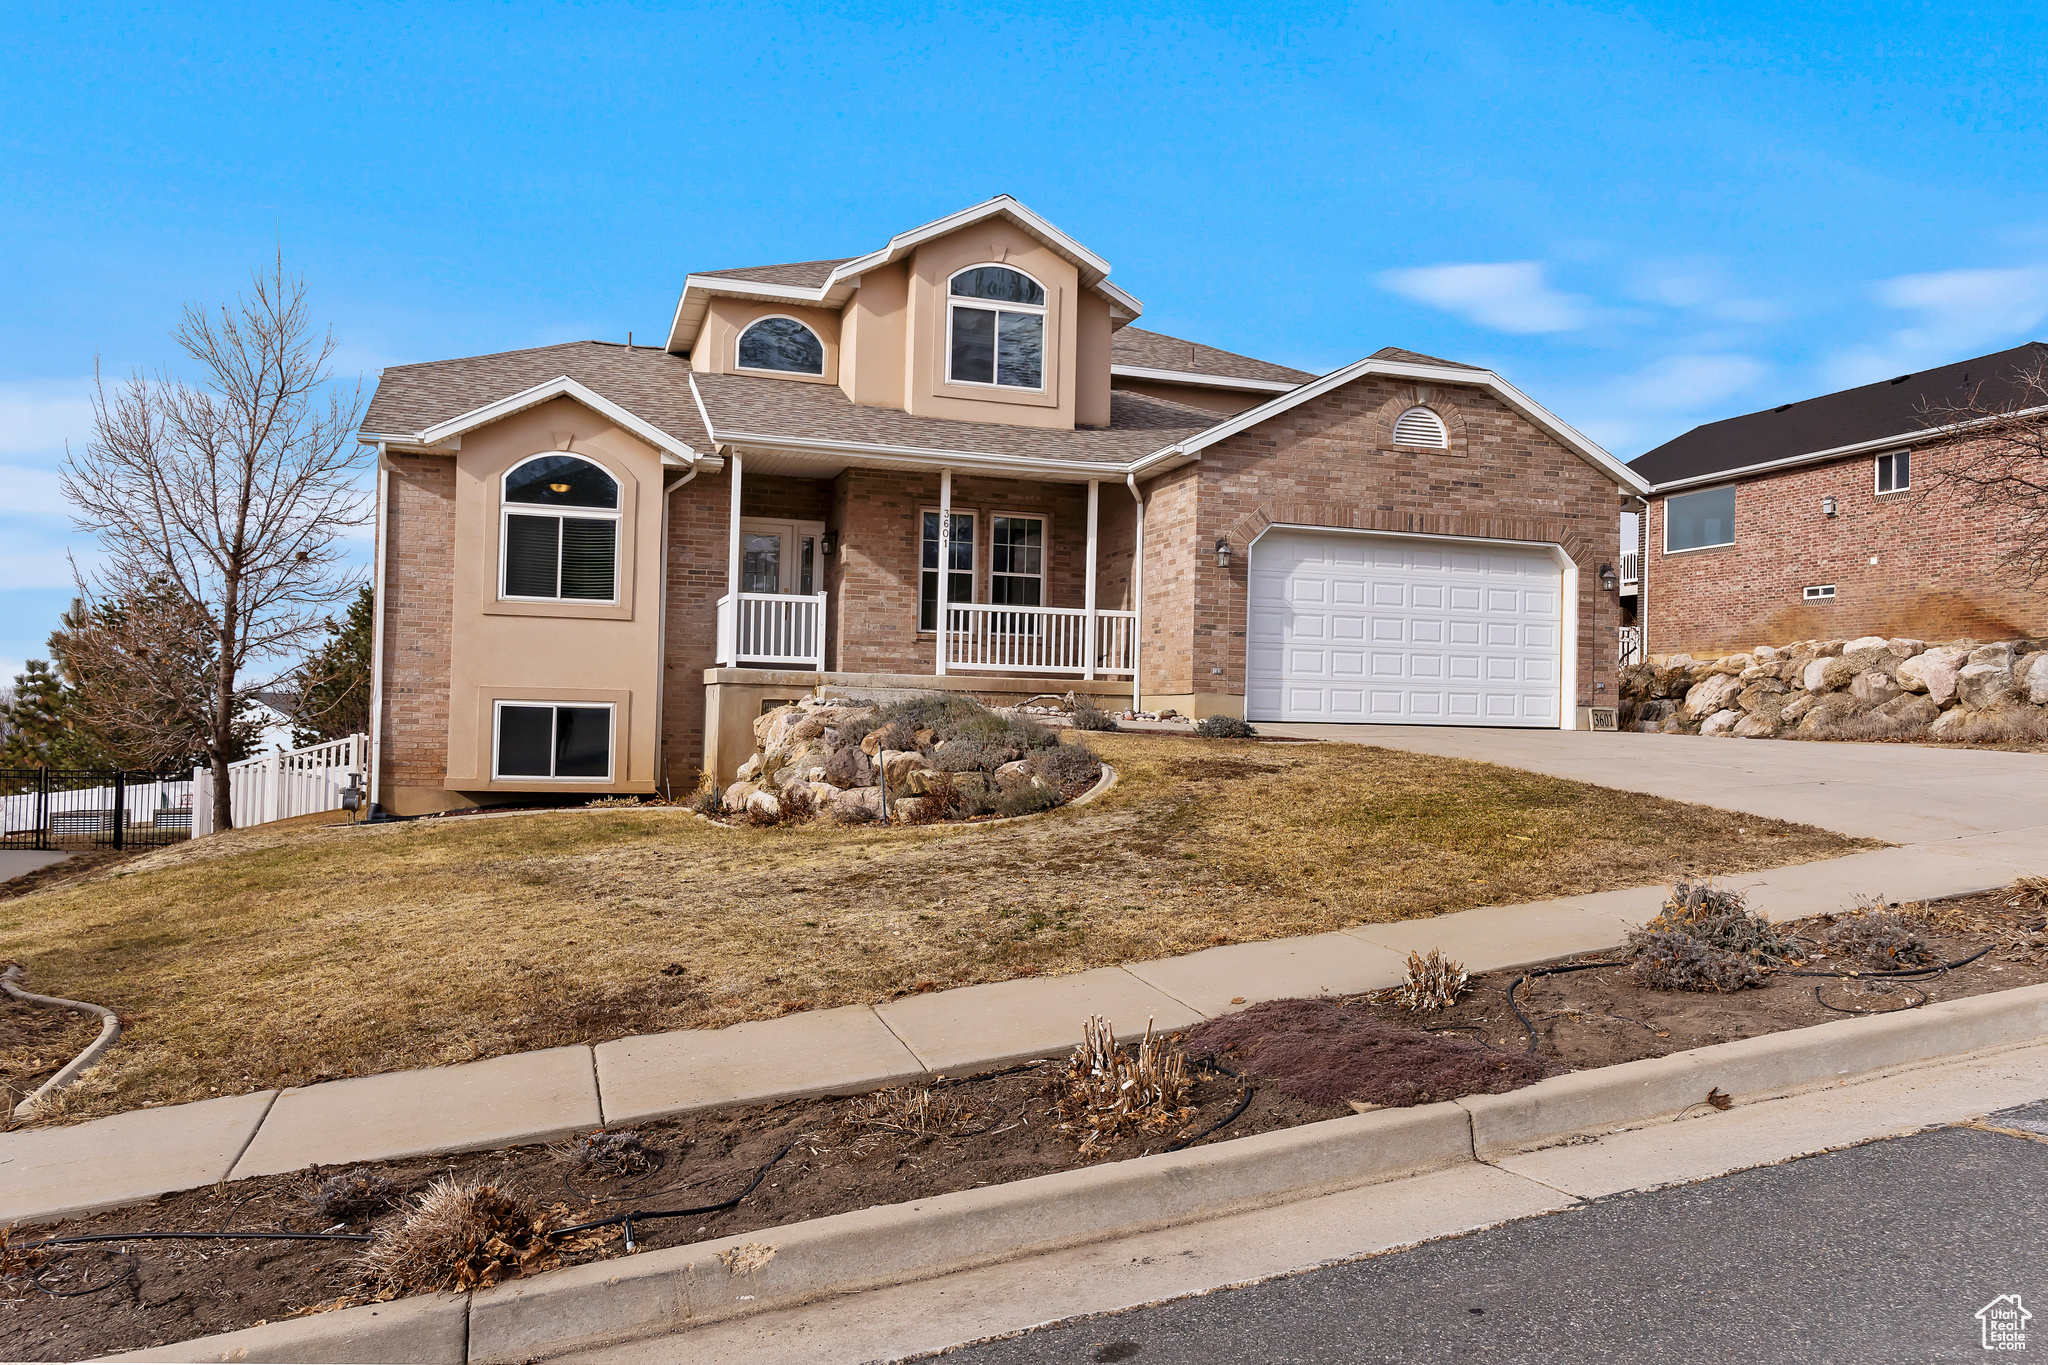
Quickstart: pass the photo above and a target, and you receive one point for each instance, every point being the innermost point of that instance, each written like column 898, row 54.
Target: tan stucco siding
column 717, row 347
column 932, row 268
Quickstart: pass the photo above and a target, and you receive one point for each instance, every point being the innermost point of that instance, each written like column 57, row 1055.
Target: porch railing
column 1631, row 569
column 1631, row 645
column 772, row 628
column 1001, row 639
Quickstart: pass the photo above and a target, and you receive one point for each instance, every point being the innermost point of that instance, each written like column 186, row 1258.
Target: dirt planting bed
column 35, row 1043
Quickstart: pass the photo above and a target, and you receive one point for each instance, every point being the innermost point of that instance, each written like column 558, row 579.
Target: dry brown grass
column 281, row 956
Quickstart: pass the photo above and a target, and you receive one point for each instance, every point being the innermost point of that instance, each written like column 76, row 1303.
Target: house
column 1828, row 519
column 955, row 462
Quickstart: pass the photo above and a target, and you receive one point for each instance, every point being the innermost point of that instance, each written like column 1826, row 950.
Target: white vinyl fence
column 279, row 785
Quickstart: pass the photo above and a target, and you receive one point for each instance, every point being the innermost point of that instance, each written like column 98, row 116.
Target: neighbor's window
column 1421, row 427
column 1016, row 561
column 1693, row 521
column 959, row 567
column 556, row 743
column 1820, row 592
column 570, row 555
column 996, row 329
column 782, row 344
column 1895, row 471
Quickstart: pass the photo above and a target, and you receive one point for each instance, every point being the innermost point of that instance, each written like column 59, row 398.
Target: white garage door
column 1409, row 632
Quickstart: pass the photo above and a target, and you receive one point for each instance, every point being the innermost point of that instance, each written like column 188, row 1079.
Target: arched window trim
column 1042, row 310
column 507, row 509
column 1441, row 430
column 782, row 317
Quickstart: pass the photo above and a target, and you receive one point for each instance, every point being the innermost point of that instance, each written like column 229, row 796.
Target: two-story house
column 954, row 462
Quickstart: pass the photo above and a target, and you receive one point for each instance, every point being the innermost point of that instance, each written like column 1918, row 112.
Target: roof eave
column 447, row 436
column 980, row 461
column 1918, row 436
column 1194, row 379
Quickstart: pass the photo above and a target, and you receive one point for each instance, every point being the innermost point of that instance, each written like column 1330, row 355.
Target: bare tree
column 230, row 496
column 1996, row 438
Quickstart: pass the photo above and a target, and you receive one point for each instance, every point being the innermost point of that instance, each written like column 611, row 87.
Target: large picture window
column 781, row 344
column 559, row 538
column 959, row 571
column 550, row 742
column 1695, row 521
column 996, row 329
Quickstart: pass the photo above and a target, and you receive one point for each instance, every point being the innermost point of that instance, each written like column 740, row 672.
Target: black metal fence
column 58, row 808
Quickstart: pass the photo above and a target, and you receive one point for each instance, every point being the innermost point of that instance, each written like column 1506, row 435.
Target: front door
column 781, row 557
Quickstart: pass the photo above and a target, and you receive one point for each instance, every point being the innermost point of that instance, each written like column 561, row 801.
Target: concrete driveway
column 1979, row 800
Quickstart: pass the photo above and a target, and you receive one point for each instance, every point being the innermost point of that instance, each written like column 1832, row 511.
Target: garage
column 1403, row 630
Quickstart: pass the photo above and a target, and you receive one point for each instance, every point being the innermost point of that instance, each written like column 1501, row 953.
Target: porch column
column 729, row 619
column 945, row 563
column 1088, row 600
column 1138, row 601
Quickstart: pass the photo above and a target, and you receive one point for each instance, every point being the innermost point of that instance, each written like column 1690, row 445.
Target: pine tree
column 43, row 727
column 331, row 698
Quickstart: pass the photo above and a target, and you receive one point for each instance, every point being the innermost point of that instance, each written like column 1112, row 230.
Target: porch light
column 1827, row 506
column 831, row 542
column 1607, row 583
column 1222, row 552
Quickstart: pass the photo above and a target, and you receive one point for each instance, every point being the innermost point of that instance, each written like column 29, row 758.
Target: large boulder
column 736, row 795
column 924, row 781
column 1999, row 652
column 1933, row 672
column 1873, row 686
column 864, row 803
column 1731, row 664
column 1829, row 709
column 1906, row 649
column 751, row 769
column 897, row 765
column 764, row 804
column 1755, row 726
column 1908, row 708
column 771, row 731
column 1711, row 694
column 1878, row 642
column 1983, row 686
column 2030, row 677
column 1951, row 722
column 1865, row 656
column 850, row 767
column 1797, row 707
column 1829, row 674
column 1720, row 723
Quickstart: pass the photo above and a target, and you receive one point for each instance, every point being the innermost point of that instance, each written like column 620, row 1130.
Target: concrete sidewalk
column 1975, row 820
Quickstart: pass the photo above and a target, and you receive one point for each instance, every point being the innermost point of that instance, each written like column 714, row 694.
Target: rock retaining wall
column 1868, row 688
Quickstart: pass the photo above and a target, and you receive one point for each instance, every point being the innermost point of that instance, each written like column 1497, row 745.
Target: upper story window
column 781, row 344
column 1421, row 427
column 1895, row 471
column 996, row 328
column 1694, row 521
column 559, row 536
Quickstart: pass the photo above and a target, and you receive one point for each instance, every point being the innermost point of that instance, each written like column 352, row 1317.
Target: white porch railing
column 772, row 628
column 979, row 636
column 1631, row 570
column 279, row 785
column 1631, row 645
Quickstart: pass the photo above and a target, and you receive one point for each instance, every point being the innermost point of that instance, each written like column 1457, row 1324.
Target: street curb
column 1766, row 1066
column 659, row 1292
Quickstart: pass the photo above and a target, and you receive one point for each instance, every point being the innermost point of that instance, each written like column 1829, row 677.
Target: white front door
column 1405, row 631
column 781, row 556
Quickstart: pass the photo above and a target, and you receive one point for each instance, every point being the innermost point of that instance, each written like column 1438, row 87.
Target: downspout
column 1137, row 600
column 377, row 636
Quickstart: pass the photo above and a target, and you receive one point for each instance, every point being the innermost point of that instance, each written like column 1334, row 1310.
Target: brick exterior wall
column 1332, row 462
column 419, row 594
column 1936, row 575
column 695, row 559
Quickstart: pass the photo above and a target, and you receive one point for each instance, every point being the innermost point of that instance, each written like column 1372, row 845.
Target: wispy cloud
column 38, row 416
column 1508, row 296
column 1960, row 313
column 1634, row 412
column 1702, row 287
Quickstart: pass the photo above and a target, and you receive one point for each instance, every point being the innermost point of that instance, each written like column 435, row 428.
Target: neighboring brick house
column 1829, row 519
column 596, row 563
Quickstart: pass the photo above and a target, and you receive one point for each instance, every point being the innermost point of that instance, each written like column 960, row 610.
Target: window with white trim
column 782, row 345
column 551, row 742
column 1695, row 521
column 959, row 573
column 1421, row 427
column 995, row 328
column 1822, row 592
column 1016, row 561
column 558, row 535
column 1895, row 471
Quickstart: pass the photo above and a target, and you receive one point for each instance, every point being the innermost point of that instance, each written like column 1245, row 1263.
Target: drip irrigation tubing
column 1232, row 1117
column 647, row 1215
column 1840, row 1010
column 84, row 1237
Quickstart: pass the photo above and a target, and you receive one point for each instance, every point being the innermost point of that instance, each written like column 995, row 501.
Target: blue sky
column 1644, row 215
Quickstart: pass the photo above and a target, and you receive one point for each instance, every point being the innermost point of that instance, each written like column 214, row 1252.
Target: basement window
column 552, row 742
column 1822, row 592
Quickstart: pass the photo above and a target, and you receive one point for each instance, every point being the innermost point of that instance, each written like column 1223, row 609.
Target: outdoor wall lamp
column 831, row 541
column 1607, row 583
column 1827, row 505
column 1222, row 552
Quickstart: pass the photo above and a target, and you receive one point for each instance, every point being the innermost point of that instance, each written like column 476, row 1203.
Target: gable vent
column 1421, row 427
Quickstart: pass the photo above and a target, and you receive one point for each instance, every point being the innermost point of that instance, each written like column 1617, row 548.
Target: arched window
column 782, row 344
column 996, row 328
column 1421, row 427
column 566, row 555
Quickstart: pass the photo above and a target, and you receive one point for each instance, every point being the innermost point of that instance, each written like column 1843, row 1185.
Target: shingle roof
column 804, row 274
column 1418, row 358
column 1871, row 412
column 1157, row 351
column 755, row 406
column 650, row 383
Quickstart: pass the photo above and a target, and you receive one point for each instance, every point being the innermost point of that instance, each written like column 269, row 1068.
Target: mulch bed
column 35, row 1043
column 985, row 1131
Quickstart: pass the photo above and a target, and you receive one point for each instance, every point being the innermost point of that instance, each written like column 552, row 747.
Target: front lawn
column 284, row 955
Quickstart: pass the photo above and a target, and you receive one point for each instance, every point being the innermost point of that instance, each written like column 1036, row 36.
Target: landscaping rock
column 1874, row 686
column 1754, row 726
column 1797, row 707
column 1951, row 721
column 872, row 745
column 751, row 769
column 1934, row 673
column 850, row 767
column 1905, row 649
column 2030, row 677
column 1908, row 708
column 1999, row 653
column 1861, row 642
column 924, row 781
column 1720, row 723
column 865, row 803
column 1711, row 695
column 1829, row 710
column 1828, row 674
column 1984, row 686
column 898, row 764
column 764, row 804
column 1015, row 769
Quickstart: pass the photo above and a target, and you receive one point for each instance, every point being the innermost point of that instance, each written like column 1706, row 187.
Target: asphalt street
column 1879, row 1253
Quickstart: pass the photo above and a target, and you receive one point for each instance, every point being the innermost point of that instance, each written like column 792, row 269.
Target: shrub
column 1106, row 1092
column 1321, row 1052
column 1025, row 799
column 710, row 801
column 1720, row 918
column 940, row 801
column 896, row 734
column 1088, row 716
column 1225, row 727
column 973, row 756
column 1670, row 961
column 1064, row 765
column 1019, row 731
column 1433, row 982
column 1875, row 937
column 459, row 1236
column 345, row 1197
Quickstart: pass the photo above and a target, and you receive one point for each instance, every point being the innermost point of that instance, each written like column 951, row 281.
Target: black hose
column 641, row 1215
column 1527, row 1025
column 1840, row 1010
column 197, row 1237
column 1211, row 1064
